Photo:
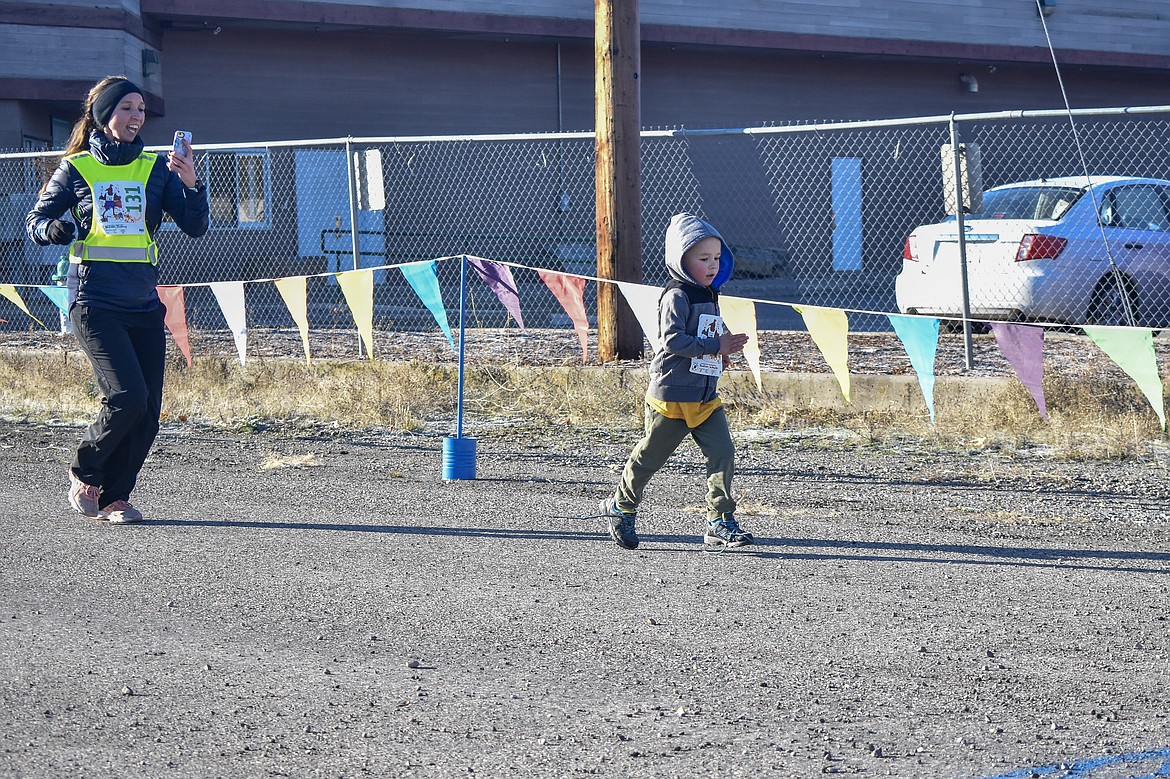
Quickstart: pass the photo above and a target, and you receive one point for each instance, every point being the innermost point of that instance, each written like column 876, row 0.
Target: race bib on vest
column 120, row 207
column 710, row 326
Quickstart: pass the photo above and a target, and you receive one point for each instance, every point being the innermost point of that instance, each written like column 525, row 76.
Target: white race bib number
column 709, row 364
column 120, row 207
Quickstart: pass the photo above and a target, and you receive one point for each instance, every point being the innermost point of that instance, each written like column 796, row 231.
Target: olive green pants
column 663, row 436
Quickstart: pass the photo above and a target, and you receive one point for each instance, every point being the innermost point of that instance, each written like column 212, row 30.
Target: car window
column 1136, row 207
column 1042, row 202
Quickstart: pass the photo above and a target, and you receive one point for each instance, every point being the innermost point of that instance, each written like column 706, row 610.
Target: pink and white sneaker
column 84, row 497
column 120, row 512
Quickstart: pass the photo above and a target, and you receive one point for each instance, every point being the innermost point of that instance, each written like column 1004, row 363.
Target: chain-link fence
column 847, row 215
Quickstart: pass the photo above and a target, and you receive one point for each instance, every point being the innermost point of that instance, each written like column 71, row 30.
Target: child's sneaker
column 621, row 524
column 84, row 497
column 120, row 512
column 725, row 531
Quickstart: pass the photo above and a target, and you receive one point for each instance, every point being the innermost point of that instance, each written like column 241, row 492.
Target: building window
column 238, row 186
column 37, row 170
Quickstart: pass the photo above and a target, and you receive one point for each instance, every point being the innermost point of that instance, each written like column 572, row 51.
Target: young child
column 681, row 398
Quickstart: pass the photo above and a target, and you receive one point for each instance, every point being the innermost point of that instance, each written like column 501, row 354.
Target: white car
column 1037, row 251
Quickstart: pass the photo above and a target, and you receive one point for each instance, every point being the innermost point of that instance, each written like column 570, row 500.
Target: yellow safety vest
column 117, row 231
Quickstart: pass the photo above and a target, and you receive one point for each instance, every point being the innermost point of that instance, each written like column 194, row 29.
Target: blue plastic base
column 458, row 458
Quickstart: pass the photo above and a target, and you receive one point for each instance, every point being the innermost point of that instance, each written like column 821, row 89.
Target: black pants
column 128, row 354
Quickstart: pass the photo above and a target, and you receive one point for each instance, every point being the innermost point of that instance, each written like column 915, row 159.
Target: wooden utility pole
column 617, row 50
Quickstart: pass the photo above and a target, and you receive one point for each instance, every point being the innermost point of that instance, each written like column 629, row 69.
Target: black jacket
column 116, row 285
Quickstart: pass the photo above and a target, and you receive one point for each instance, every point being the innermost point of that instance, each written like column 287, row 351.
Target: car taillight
column 907, row 252
column 1035, row 246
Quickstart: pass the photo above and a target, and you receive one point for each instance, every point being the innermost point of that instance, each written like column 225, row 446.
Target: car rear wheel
column 953, row 326
column 1114, row 303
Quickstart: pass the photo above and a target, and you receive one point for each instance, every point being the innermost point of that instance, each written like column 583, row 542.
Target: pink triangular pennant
column 176, row 318
column 1023, row 348
column 570, row 291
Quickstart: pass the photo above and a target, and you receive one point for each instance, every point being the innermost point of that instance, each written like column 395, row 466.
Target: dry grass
column 279, row 461
column 1029, row 520
column 1088, row 419
column 39, row 385
column 580, row 396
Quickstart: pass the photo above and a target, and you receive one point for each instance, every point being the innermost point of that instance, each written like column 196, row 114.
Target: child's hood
column 686, row 230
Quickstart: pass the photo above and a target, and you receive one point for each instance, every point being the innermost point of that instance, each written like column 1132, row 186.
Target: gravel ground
column 317, row 602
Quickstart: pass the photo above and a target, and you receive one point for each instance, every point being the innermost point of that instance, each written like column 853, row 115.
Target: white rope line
column 1121, row 291
column 597, row 279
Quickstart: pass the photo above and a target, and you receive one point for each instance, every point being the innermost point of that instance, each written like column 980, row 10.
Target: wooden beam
column 617, row 64
column 49, row 14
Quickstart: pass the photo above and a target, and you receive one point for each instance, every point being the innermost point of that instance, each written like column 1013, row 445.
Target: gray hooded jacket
column 678, row 317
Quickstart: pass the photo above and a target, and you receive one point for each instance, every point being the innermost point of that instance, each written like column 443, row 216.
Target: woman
column 114, row 195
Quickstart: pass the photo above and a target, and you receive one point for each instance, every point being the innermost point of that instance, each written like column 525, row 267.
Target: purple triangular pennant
column 1023, row 347
column 499, row 280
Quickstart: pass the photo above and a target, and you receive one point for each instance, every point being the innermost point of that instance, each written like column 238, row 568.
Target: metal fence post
column 351, row 172
column 459, row 452
column 462, row 334
column 960, row 199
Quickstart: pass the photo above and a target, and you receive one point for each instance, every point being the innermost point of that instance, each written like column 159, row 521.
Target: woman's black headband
column 105, row 103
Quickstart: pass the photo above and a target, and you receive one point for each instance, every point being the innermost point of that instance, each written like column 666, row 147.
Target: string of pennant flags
column 1132, row 349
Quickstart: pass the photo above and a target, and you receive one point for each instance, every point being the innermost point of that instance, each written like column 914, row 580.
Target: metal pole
column 959, row 205
column 459, row 452
column 462, row 319
column 560, row 98
column 351, row 171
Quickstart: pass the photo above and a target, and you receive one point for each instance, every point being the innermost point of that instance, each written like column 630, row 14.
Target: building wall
column 239, row 76
column 38, row 52
column 256, row 85
column 1140, row 26
column 446, row 66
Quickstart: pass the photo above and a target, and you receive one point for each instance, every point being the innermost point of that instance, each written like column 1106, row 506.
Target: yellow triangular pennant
column 829, row 328
column 9, row 291
column 294, row 291
column 358, row 288
column 739, row 316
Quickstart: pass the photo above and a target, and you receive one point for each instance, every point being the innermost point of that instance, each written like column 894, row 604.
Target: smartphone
column 180, row 136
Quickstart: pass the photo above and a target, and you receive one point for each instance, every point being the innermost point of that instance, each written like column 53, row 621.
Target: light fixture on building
column 149, row 62
column 969, row 82
column 1046, row 7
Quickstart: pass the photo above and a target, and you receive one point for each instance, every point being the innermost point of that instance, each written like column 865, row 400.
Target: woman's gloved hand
column 60, row 232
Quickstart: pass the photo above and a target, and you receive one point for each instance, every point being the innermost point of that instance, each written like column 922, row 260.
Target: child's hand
column 730, row 343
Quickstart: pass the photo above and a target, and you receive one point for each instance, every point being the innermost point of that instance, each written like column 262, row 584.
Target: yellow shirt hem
column 693, row 413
